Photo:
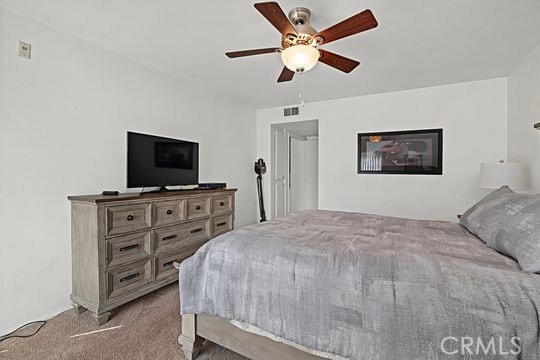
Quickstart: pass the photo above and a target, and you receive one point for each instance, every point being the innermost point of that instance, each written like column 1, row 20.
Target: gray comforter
column 368, row 287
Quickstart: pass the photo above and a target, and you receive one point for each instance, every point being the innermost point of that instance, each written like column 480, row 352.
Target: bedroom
column 100, row 69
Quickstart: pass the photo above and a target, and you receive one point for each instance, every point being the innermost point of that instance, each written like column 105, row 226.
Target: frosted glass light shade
column 300, row 58
column 493, row 176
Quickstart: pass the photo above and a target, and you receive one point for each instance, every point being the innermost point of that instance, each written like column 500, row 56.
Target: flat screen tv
column 154, row 161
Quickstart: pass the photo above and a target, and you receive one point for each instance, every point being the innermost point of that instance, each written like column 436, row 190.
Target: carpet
column 150, row 329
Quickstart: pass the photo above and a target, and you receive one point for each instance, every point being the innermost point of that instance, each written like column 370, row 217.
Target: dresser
column 125, row 246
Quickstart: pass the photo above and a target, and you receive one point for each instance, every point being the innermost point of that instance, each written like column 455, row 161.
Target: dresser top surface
column 96, row 199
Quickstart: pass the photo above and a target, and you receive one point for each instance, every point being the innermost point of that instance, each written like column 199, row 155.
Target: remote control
column 107, row 192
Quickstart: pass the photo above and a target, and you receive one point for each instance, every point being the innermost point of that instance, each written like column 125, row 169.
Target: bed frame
column 198, row 327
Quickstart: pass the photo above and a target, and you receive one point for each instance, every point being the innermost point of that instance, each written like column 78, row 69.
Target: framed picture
column 401, row 152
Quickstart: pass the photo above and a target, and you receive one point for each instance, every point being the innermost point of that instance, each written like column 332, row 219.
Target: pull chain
column 300, row 88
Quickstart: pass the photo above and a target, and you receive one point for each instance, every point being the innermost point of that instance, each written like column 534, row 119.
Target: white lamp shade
column 300, row 57
column 495, row 175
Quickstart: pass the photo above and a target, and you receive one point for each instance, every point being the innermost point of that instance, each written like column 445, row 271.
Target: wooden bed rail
column 198, row 327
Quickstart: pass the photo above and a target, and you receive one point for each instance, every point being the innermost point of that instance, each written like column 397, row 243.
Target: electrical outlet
column 25, row 50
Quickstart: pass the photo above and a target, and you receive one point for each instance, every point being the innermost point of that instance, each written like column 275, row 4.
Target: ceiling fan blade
column 355, row 24
column 337, row 61
column 273, row 13
column 235, row 54
column 286, row 75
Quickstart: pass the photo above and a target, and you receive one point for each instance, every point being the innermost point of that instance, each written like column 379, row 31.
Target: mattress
column 363, row 286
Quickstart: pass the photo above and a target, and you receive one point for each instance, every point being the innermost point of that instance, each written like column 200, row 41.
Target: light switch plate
column 25, row 50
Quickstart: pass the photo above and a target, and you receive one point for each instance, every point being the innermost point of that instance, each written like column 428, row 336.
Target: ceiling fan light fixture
column 300, row 58
column 300, row 41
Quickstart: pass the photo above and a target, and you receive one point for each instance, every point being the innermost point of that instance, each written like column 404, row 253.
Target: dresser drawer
column 167, row 212
column 222, row 204
column 128, row 278
column 163, row 265
column 169, row 238
column 221, row 224
column 198, row 207
column 128, row 248
column 126, row 218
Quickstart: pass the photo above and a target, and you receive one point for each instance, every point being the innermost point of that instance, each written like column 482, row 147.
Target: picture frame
column 408, row 152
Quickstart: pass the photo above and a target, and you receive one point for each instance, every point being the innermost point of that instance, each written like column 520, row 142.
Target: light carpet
column 150, row 329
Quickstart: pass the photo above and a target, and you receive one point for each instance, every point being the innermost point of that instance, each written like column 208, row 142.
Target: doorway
column 295, row 167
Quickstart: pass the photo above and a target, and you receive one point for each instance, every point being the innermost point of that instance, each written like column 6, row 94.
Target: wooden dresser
column 124, row 246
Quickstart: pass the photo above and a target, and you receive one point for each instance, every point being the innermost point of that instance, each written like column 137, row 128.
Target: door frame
column 282, row 128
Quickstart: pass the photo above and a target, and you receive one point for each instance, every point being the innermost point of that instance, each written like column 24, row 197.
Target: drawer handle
column 169, row 212
column 194, row 231
column 130, row 218
column 130, row 247
column 168, row 263
column 127, row 278
column 198, row 207
column 170, row 237
column 222, row 204
column 221, row 224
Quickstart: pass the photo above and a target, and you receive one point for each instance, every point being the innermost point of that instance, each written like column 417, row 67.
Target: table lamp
column 495, row 175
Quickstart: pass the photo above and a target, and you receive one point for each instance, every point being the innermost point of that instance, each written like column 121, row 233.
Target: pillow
column 520, row 238
column 490, row 214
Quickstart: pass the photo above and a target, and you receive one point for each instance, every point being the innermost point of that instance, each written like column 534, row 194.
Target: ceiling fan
column 300, row 42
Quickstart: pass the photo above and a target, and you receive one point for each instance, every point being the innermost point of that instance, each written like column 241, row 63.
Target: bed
column 337, row 285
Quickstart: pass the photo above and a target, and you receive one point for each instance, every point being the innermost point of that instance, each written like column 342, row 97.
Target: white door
column 297, row 180
column 311, row 168
column 279, row 173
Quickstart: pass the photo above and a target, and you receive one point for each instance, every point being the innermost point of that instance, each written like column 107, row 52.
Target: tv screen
column 158, row 161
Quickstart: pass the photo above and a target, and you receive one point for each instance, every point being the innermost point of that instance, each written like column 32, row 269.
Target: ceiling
column 418, row 43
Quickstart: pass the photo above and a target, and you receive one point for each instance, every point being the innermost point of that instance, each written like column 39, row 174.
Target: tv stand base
column 162, row 189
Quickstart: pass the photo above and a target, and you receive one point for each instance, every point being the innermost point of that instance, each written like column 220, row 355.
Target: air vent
column 291, row 111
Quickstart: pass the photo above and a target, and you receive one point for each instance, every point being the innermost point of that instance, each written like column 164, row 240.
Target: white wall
column 523, row 113
column 3, row 247
column 63, row 126
column 472, row 114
